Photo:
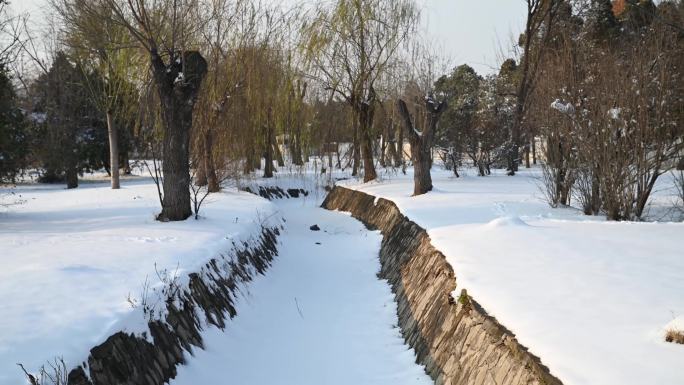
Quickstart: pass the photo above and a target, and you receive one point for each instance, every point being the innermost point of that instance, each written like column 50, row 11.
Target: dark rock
column 314, row 228
column 275, row 192
column 78, row 377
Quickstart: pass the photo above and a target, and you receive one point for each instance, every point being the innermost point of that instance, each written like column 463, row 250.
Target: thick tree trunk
column 177, row 84
column 421, row 144
column 113, row 151
column 176, row 162
column 71, row 175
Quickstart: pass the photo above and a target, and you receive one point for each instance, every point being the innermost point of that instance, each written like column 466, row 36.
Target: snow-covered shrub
column 675, row 336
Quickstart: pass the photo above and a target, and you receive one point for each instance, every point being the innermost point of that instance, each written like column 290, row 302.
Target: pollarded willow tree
column 349, row 45
column 421, row 116
column 421, row 142
column 166, row 30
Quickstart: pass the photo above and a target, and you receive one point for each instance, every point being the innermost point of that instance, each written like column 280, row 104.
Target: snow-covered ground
column 69, row 259
column 320, row 315
column 592, row 298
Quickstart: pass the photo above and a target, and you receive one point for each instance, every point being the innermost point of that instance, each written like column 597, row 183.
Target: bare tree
column 541, row 17
column 619, row 126
column 350, row 44
column 10, row 33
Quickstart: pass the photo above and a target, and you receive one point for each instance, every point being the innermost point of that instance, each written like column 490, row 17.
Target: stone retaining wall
column 454, row 338
column 127, row 359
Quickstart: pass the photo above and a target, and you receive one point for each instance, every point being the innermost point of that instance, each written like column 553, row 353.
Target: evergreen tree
column 637, row 14
column 13, row 140
column 72, row 137
column 601, row 24
column 460, row 90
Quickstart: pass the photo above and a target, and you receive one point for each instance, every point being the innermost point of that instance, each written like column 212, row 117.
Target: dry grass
column 675, row 336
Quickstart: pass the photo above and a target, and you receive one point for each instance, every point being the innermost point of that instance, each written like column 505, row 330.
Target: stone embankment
column 129, row 359
column 456, row 340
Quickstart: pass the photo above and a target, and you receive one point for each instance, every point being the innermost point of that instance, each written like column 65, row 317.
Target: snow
column 676, row 324
column 591, row 298
column 614, row 113
column 564, row 108
column 70, row 259
column 319, row 316
column 180, row 78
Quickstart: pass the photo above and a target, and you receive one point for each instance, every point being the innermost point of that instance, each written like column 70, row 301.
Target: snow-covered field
column 320, row 315
column 592, row 298
column 70, row 259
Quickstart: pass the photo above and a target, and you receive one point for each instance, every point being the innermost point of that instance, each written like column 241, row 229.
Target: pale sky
column 475, row 31
column 467, row 31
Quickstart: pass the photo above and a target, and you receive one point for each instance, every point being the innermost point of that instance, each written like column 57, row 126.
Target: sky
column 475, row 32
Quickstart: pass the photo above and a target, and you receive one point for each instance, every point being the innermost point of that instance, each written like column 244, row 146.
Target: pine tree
column 13, row 140
column 601, row 24
column 72, row 138
column 456, row 133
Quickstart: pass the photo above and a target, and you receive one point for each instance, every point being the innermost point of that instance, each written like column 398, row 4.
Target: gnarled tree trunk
column 177, row 84
column 421, row 143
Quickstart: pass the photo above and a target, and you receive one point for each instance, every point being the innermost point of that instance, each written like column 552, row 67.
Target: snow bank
column 589, row 297
column 676, row 324
column 71, row 258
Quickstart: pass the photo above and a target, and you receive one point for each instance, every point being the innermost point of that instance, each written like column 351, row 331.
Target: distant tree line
column 211, row 91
